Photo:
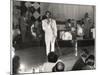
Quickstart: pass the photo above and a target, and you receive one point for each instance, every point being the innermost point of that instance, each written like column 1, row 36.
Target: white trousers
column 50, row 44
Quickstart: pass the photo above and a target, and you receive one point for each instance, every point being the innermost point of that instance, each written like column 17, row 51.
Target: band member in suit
column 87, row 24
column 50, row 29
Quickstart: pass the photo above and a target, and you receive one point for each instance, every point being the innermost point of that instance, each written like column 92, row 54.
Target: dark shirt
column 79, row 64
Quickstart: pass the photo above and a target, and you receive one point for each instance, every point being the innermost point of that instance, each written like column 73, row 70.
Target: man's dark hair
column 48, row 12
column 69, row 20
column 91, row 57
column 44, row 16
column 85, row 50
column 52, row 57
column 85, row 53
column 86, row 15
column 56, row 68
column 15, row 64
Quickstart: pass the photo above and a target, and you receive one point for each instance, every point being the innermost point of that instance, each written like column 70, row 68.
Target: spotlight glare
column 22, row 68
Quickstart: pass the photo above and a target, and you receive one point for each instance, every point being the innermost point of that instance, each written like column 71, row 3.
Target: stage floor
column 36, row 56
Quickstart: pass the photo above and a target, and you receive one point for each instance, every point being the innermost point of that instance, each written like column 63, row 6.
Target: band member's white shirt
column 79, row 30
column 50, row 30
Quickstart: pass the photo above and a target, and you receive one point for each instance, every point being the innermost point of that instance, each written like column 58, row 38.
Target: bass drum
column 66, row 35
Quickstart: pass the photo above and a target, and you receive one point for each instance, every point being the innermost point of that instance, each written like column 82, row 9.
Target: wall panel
column 65, row 11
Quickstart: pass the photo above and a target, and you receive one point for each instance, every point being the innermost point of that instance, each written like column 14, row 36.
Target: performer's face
column 48, row 15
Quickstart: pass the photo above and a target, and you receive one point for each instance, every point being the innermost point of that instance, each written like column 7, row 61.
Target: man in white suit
column 50, row 29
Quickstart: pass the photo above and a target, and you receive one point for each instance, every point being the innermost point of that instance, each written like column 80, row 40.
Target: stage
column 33, row 57
column 61, row 43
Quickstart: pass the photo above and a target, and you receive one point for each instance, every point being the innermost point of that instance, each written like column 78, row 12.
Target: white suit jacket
column 50, row 28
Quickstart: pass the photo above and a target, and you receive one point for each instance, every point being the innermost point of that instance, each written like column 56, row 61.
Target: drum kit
column 68, row 35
